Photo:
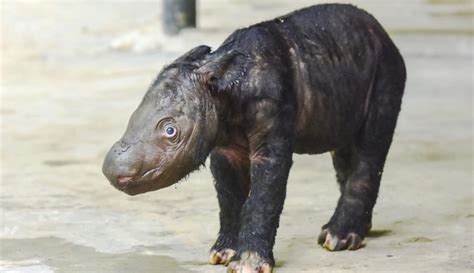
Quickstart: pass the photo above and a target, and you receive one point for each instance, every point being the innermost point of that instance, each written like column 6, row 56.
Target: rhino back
column 325, row 58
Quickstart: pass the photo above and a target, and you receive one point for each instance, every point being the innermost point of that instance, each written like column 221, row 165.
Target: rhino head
column 176, row 125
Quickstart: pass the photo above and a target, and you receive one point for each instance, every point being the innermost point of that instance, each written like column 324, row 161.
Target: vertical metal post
column 178, row 14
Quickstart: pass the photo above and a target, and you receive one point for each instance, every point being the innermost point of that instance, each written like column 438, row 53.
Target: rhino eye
column 170, row 131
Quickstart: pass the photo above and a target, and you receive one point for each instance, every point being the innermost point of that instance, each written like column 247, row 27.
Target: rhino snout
column 123, row 163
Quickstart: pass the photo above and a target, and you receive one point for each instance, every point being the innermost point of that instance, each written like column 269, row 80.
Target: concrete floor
column 72, row 73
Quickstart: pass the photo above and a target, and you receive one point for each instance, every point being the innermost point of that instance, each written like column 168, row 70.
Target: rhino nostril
column 124, row 179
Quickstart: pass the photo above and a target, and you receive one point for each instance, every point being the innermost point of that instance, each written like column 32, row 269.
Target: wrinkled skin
column 323, row 79
column 147, row 158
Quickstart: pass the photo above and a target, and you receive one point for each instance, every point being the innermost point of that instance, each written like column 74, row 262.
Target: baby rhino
column 326, row 78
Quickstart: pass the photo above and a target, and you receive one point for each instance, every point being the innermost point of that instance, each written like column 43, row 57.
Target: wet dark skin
column 322, row 79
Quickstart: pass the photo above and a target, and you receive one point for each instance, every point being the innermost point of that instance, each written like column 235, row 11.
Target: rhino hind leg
column 341, row 159
column 359, row 166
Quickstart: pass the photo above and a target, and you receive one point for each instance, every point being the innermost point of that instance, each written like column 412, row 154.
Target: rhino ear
column 223, row 71
column 194, row 55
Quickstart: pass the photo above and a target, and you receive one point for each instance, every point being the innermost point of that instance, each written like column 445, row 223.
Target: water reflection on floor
column 52, row 254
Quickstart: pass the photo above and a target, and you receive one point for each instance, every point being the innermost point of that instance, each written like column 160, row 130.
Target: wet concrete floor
column 72, row 73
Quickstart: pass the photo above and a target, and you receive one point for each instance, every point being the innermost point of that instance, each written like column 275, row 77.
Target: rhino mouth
column 151, row 180
column 148, row 181
column 150, row 174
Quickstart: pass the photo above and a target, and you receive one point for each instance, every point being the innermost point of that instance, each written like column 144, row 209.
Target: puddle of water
column 30, row 266
column 65, row 257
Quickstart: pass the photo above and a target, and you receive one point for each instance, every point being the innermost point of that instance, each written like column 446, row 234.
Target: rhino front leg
column 230, row 168
column 261, row 211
